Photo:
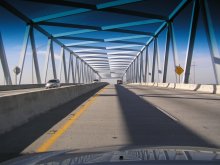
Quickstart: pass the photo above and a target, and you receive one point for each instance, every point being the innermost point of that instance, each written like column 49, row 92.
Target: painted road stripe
column 166, row 113
column 49, row 142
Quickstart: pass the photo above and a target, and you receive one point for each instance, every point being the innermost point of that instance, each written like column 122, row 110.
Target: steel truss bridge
column 118, row 42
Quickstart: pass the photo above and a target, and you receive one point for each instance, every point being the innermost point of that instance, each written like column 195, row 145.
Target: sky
column 12, row 30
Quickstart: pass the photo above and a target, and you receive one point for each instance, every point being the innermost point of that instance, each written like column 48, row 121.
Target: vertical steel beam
column 174, row 47
column 212, row 42
column 159, row 71
column 141, row 62
column 49, row 53
column 166, row 57
column 86, row 73
column 73, row 73
column 78, row 68
column 82, row 72
column 34, row 52
column 87, row 70
column 146, row 65
column 53, row 61
column 63, row 63
column 47, row 60
column 128, row 76
column 69, row 68
column 192, row 36
column 91, row 72
column 132, row 72
column 4, row 63
column 154, row 60
column 137, row 71
column 23, row 52
column 134, row 78
column 64, row 66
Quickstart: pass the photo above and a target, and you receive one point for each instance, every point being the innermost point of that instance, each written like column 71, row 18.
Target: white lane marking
column 160, row 109
column 166, row 113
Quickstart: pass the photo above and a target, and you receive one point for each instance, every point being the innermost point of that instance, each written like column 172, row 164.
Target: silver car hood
column 123, row 156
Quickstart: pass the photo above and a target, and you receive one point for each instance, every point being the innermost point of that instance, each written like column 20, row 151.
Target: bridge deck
column 122, row 116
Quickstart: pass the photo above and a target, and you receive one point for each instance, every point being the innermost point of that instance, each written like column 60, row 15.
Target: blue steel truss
column 120, row 47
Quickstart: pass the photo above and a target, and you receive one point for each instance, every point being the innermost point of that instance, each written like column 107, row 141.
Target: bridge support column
column 133, row 72
column 136, row 71
column 29, row 33
column 154, row 60
column 146, row 65
column 159, row 71
column 49, row 53
column 192, row 35
column 174, row 47
column 4, row 63
column 23, row 52
column 34, row 54
column 213, row 46
column 63, row 63
column 72, row 67
column 166, row 55
column 69, row 68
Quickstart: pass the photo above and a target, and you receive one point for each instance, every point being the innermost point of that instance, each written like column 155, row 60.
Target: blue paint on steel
column 125, row 38
column 135, row 23
column 62, row 14
column 115, row 3
column 177, row 8
column 73, row 32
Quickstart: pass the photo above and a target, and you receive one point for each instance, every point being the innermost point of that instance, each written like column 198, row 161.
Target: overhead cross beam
column 113, row 40
column 181, row 6
column 23, row 17
column 95, row 28
column 88, row 7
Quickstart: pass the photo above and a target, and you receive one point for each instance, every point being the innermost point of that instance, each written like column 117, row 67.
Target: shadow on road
column 148, row 126
column 14, row 142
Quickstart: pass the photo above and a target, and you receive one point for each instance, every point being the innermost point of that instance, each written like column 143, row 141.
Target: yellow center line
column 49, row 142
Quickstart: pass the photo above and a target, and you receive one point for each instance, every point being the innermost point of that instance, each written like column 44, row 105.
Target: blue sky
column 12, row 30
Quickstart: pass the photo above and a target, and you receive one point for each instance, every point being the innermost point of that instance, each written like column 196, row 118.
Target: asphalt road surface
column 121, row 116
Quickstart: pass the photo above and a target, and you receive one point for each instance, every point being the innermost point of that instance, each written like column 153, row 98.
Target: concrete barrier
column 27, row 86
column 163, row 85
column 207, row 88
column 150, row 84
column 23, row 86
column 217, row 89
column 17, row 109
column 171, row 85
column 190, row 87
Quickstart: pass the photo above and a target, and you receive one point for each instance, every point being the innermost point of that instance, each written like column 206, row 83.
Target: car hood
column 146, row 154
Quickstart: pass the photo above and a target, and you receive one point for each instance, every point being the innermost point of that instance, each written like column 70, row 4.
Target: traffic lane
column 27, row 137
column 197, row 111
column 118, row 117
